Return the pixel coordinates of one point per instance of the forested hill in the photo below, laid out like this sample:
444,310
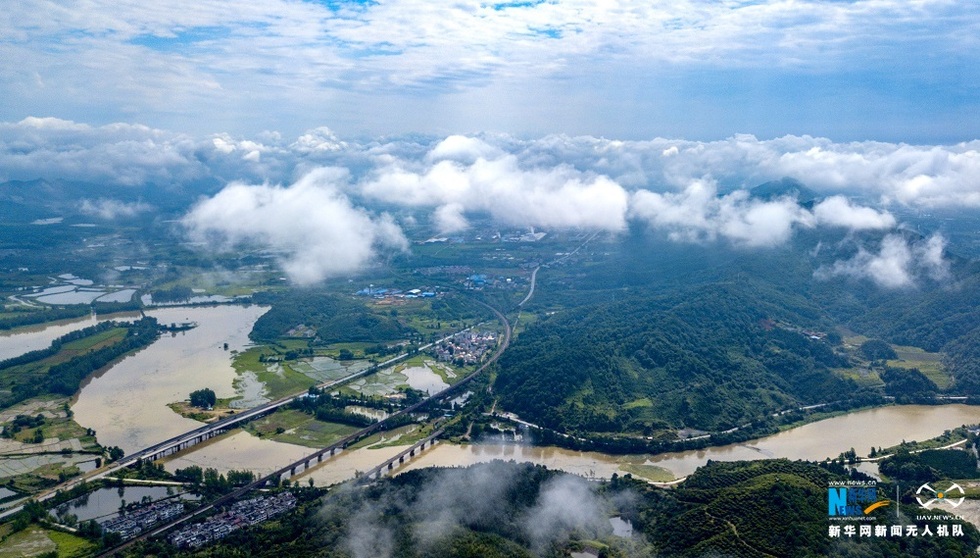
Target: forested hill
710,357
707,336
779,508
511,510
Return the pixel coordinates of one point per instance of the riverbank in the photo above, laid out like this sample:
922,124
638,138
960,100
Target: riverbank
825,439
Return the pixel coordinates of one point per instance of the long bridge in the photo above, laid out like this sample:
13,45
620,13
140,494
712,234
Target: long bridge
309,461
389,465
210,430
205,432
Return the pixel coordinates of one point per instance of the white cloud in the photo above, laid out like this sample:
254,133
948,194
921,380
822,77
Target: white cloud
109,209
930,257
698,214
311,224
124,154
838,211
182,58
463,149
450,219
897,264
565,504
927,176
557,197
892,173
556,182
461,169
318,140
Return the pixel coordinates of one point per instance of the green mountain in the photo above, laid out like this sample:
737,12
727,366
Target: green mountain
711,357
785,187
757,509
779,508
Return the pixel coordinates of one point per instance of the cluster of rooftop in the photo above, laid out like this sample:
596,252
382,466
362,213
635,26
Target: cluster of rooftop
241,514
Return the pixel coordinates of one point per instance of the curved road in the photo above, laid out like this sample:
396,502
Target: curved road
534,279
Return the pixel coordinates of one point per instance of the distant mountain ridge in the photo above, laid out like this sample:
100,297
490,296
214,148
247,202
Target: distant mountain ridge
786,187
24,201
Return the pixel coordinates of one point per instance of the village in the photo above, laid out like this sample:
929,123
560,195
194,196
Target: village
466,347
241,514
135,522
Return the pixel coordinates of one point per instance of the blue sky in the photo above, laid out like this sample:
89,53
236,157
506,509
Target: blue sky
889,70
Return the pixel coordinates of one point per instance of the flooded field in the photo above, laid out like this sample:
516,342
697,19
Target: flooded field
424,379
127,405
390,380
75,290
238,450
325,369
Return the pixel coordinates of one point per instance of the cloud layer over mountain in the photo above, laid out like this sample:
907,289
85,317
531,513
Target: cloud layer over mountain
322,224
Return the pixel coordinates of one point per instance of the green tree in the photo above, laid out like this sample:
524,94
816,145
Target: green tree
203,398
115,453
876,349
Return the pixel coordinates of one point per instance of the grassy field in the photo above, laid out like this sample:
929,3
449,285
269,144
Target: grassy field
186,410
944,439
34,541
861,376
648,472
401,436
284,381
929,364
97,341
58,426
68,351
279,380
70,545
296,427
333,350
